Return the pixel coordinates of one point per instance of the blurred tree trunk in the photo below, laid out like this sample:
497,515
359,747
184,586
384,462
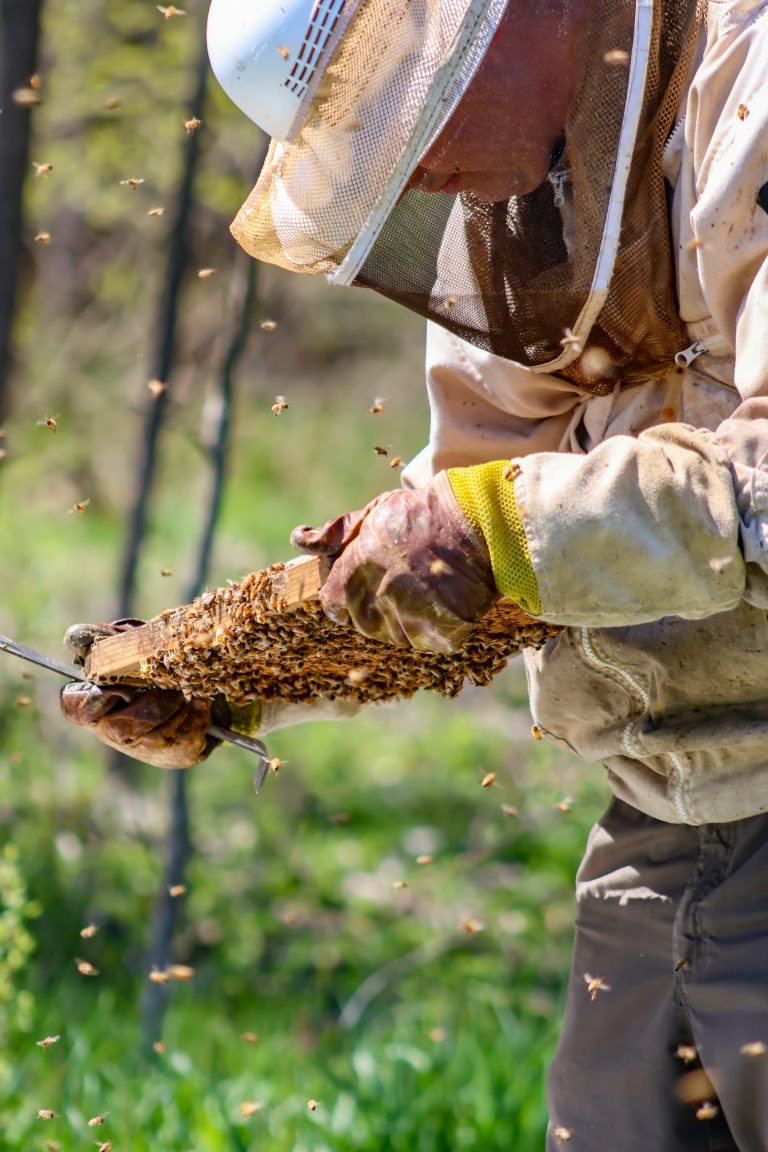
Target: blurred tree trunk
19,37
168,906
165,352
162,365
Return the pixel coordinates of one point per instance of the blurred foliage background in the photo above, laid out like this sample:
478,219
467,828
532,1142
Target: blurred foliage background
416,1003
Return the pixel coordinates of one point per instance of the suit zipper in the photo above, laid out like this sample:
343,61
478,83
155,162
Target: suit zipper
677,775
687,355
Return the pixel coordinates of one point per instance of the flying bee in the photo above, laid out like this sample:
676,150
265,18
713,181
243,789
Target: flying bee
133,182
380,451
159,976
156,212
398,885
564,805
250,1037
755,1048
686,1053
279,405
472,926
424,859
193,125
180,972
377,406
111,103
205,273
562,1134
396,462
170,11
48,422
249,1108
96,1121
156,387
85,968
284,52
313,1105
594,985
89,931
616,56
488,779
42,171
707,1111
268,325
79,506
26,97
46,1114
47,1041
42,238
177,890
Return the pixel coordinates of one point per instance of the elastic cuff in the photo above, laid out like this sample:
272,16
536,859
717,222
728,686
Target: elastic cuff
486,495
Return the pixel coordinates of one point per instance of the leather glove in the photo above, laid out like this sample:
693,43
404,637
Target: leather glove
409,568
156,725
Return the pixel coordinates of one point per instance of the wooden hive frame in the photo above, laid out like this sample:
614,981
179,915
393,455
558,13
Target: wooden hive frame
267,638
124,655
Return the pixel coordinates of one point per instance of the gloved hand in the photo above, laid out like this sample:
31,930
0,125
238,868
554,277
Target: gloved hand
409,568
157,725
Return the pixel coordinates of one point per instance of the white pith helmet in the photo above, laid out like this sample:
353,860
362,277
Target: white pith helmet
264,54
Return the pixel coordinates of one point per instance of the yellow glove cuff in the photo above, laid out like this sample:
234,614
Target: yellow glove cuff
487,498
245,719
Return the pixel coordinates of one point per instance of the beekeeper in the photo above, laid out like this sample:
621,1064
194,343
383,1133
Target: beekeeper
575,194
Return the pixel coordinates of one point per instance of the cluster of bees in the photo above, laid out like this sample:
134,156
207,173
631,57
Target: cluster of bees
238,642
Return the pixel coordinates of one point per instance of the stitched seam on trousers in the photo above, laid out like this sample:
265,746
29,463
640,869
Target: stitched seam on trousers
704,879
680,942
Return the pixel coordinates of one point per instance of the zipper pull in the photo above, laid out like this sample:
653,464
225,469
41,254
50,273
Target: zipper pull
691,353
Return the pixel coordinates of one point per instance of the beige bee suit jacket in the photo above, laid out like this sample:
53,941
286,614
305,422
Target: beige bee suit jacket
649,535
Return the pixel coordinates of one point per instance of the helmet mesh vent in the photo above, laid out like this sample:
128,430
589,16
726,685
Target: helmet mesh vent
321,25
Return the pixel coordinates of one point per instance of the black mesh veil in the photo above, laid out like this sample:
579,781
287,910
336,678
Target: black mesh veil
575,276
515,278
